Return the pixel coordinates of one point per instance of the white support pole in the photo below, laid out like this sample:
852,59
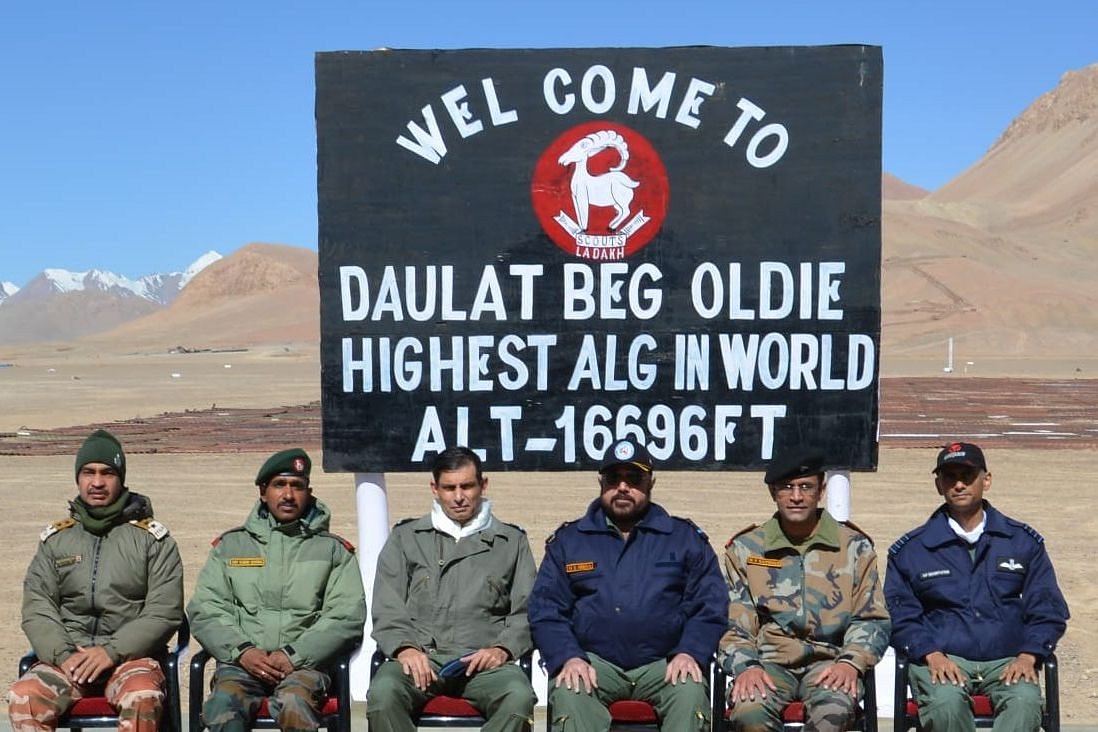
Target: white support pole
838,494
838,505
372,507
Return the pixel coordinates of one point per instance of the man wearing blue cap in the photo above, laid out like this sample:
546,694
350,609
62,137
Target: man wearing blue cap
629,603
974,603
806,615
278,599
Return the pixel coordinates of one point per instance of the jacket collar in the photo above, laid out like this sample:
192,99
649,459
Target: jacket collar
826,533
939,533
594,521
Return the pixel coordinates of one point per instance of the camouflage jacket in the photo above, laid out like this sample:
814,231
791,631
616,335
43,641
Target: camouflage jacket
797,604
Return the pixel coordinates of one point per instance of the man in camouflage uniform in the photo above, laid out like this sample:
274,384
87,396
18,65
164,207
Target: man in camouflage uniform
450,593
807,616
278,599
102,596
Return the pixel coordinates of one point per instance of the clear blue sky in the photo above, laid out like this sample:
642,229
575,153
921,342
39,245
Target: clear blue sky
134,136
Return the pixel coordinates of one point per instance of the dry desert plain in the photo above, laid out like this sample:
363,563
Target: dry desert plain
200,494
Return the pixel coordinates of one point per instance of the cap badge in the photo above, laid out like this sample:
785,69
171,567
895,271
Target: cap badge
624,451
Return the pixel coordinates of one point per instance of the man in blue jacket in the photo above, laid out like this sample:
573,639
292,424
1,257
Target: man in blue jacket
974,603
629,603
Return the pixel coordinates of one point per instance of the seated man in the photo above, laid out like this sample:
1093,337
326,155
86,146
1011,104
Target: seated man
450,593
629,603
806,616
278,599
974,603
102,596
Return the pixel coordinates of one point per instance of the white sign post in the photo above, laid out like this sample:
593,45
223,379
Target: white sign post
372,507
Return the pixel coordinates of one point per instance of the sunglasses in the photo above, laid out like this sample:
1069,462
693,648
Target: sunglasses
634,478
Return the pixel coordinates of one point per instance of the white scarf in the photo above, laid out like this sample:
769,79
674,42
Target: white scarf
970,536
448,526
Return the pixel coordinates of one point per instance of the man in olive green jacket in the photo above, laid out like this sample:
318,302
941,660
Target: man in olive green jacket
103,594
278,599
449,607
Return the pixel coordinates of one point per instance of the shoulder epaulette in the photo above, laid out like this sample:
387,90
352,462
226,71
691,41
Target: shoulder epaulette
1028,529
346,544
151,525
516,527
217,539
404,521
56,527
741,532
553,535
899,543
696,528
854,527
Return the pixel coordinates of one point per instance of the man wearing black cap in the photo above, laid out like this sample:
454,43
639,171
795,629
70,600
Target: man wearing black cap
628,603
974,602
806,616
103,594
278,599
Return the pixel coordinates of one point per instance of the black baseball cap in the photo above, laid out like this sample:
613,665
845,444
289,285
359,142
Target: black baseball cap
626,452
961,453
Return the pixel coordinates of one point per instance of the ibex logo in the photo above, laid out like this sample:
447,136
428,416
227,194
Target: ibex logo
600,191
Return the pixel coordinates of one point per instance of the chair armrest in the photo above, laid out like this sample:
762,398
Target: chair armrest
869,699
1052,693
29,659
197,691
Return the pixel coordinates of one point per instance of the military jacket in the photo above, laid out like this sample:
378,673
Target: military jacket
998,602
293,587
449,598
794,605
122,590
630,602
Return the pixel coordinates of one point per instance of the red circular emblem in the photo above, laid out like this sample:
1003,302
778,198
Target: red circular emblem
600,191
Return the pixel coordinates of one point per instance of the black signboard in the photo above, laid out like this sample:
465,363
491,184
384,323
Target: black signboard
534,252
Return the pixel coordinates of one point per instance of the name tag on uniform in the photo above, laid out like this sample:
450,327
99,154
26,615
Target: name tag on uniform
765,562
573,567
935,573
68,561
247,562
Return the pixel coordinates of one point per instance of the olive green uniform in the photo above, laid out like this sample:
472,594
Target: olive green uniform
119,588
450,598
293,587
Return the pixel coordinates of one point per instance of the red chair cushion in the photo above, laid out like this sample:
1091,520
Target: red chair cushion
636,712
92,706
793,712
450,706
981,707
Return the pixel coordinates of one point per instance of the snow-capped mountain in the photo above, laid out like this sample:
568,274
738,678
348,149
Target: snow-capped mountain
60,305
7,289
160,287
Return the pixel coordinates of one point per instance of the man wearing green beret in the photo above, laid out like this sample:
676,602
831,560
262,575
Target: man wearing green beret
278,599
102,596
807,614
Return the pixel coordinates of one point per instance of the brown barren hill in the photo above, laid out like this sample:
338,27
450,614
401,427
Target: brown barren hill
1003,258
893,188
261,294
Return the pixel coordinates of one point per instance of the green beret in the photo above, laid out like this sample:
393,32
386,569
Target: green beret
102,447
294,461
794,463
